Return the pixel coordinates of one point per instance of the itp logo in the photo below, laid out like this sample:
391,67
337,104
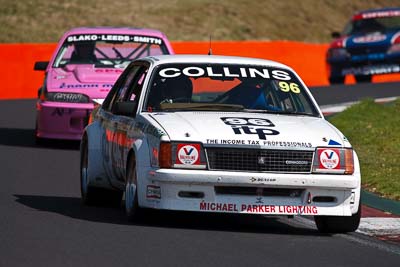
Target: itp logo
188,154
258,126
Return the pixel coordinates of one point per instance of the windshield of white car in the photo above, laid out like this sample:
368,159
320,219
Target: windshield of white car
210,87
380,24
110,51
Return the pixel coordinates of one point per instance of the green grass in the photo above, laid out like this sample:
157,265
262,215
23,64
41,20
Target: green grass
306,20
374,131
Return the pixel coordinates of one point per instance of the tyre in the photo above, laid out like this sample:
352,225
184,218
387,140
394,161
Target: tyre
91,195
338,224
39,141
363,78
335,75
336,79
132,209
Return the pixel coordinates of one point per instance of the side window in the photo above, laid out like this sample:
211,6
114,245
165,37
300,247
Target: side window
134,93
123,86
114,90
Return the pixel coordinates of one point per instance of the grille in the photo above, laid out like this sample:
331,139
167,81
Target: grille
258,191
367,50
260,160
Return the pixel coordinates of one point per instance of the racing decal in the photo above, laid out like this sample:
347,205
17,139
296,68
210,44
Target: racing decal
114,38
153,192
258,208
370,70
92,85
329,159
287,87
188,154
108,71
368,57
377,14
119,138
253,72
369,38
260,127
262,180
333,143
270,143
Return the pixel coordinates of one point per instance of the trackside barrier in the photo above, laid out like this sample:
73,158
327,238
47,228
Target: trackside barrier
19,80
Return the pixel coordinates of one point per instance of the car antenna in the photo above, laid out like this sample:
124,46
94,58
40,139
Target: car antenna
210,50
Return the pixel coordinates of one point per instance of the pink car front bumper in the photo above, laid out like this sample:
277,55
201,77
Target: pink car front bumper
57,120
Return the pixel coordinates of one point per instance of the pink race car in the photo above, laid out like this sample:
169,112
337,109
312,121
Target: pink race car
81,72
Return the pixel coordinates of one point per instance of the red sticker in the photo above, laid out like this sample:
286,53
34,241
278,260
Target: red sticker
188,154
329,159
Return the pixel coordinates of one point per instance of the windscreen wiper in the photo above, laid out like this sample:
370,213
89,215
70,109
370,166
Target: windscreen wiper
200,106
281,112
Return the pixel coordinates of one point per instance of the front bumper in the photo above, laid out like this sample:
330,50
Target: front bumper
372,69
57,120
365,64
254,193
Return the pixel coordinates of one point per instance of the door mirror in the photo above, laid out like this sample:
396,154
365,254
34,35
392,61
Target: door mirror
125,108
41,65
335,34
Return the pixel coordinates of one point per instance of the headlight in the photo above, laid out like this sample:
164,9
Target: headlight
395,48
338,53
182,155
333,160
67,97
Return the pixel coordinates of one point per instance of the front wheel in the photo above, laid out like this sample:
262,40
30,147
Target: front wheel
338,224
335,75
132,208
39,141
91,195
336,79
363,78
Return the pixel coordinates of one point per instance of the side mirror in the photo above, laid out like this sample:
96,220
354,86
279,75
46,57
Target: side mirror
335,35
41,65
125,108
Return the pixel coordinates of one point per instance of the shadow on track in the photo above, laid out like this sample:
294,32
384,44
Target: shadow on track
72,207
26,138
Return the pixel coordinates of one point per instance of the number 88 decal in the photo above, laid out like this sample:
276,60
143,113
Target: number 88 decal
286,87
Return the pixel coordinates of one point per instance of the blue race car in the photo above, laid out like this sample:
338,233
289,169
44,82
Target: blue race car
368,45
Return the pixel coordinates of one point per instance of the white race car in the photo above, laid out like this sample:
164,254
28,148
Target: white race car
219,134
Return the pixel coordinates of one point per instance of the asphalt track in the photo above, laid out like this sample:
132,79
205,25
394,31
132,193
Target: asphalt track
43,223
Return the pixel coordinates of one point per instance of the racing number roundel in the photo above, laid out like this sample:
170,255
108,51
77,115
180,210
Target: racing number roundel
329,159
188,154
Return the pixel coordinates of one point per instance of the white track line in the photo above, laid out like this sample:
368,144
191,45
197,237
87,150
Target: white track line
361,237
379,226
328,109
